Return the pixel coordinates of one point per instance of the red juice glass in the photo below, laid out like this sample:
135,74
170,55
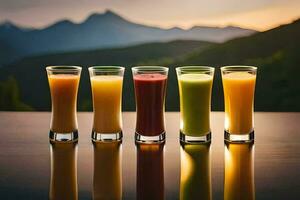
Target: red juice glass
150,84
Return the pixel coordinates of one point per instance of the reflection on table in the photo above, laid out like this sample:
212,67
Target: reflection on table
195,171
107,179
150,171
239,171
63,181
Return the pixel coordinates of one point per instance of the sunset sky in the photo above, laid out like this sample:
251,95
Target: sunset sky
256,14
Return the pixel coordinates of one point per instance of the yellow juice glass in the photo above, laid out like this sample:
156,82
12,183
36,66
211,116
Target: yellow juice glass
107,83
239,87
239,171
63,82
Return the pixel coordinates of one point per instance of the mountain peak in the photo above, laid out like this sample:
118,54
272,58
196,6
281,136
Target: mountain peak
108,14
8,25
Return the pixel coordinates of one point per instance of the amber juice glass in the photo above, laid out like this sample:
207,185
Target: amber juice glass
63,82
239,88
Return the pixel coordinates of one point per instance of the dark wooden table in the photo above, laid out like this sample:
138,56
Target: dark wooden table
25,157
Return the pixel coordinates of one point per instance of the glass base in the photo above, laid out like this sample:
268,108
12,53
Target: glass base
150,139
195,139
239,138
63,137
107,136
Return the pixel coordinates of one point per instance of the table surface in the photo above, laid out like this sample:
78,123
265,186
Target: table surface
25,156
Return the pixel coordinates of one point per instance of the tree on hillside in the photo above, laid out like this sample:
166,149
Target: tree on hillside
10,98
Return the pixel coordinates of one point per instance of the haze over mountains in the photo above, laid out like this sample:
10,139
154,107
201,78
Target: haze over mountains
98,31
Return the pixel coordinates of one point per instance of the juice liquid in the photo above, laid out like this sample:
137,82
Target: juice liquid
150,171
239,97
195,103
63,181
64,88
239,172
150,92
107,103
195,172
107,182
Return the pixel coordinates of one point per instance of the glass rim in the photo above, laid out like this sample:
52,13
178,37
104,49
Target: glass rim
150,69
230,68
195,68
63,68
104,68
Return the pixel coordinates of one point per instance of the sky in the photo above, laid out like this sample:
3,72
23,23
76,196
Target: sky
255,14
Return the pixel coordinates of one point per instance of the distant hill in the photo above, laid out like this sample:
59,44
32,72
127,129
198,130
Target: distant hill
98,31
31,75
276,53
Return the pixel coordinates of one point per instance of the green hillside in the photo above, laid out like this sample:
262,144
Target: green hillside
32,80
276,53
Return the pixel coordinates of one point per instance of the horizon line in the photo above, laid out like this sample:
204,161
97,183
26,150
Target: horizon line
4,21
22,26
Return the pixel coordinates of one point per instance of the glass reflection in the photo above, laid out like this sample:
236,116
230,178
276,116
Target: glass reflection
107,180
239,171
63,181
150,171
195,171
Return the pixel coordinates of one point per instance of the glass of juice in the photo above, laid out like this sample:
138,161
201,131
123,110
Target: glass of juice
195,88
107,83
150,84
63,82
239,87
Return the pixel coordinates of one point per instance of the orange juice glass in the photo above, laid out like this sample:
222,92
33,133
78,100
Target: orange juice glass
107,83
239,87
63,82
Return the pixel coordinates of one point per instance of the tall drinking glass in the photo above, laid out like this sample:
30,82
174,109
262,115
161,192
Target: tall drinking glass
107,83
63,82
239,87
150,84
195,87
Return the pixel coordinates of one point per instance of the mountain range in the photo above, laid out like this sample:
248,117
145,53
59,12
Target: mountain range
98,31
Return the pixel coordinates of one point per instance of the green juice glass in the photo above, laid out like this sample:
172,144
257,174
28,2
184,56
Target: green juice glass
195,87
